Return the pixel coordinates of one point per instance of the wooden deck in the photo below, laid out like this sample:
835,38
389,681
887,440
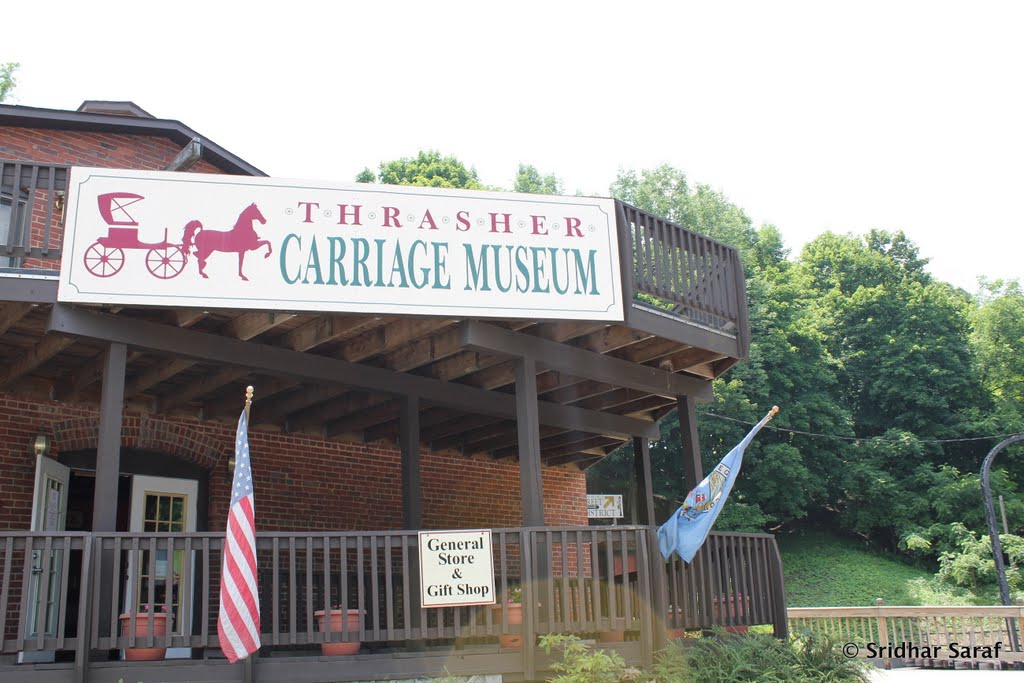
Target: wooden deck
592,581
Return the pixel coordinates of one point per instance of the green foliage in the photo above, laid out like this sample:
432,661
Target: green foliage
426,169
7,79
581,664
998,338
729,658
971,565
826,570
530,180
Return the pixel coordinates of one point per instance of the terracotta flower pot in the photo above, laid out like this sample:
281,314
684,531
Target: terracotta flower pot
515,618
674,617
736,610
354,618
144,654
611,636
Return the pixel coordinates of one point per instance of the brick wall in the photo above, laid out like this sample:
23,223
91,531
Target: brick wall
82,148
302,483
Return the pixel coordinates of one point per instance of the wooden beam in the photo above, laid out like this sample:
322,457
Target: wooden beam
581,446
424,351
31,290
345,404
161,371
318,369
465,438
303,338
48,347
610,339
434,434
358,421
295,401
324,329
251,325
581,363
548,441
389,337
186,317
11,314
187,157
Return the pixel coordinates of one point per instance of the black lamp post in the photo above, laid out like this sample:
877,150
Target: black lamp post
993,532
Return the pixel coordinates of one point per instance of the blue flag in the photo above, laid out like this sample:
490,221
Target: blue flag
686,529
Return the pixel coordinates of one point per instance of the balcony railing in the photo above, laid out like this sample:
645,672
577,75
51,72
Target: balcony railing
84,594
31,213
684,274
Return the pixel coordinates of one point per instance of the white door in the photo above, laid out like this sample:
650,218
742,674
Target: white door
162,504
49,509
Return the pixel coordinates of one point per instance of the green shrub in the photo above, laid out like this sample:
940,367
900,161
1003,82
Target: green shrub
580,664
729,658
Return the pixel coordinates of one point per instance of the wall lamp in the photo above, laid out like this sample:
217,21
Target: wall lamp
41,445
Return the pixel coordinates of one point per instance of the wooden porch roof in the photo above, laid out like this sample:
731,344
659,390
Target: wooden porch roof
342,376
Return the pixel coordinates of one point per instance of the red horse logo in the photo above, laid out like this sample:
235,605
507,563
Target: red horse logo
239,239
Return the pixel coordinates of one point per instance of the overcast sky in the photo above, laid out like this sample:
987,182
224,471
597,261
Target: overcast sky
811,116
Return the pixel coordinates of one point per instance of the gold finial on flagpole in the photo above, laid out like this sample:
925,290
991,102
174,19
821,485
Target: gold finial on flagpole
248,401
772,413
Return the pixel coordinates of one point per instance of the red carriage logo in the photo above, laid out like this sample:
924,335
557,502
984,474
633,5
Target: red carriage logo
105,257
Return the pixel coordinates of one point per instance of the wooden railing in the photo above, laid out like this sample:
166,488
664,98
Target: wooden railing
573,579
735,581
31,213
974,634
693,276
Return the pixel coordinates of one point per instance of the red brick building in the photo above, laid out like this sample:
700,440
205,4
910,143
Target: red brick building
118,421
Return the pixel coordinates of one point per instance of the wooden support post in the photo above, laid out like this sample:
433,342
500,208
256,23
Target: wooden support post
528,426
108,449
688,437
883,632
412,503
409,440
644,487
108,468
644,484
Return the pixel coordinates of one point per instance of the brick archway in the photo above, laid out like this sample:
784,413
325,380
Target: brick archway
182,441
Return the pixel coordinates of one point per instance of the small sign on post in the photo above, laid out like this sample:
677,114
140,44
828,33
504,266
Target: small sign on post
456,568
604,506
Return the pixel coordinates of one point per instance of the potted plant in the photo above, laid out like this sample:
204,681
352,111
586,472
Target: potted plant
354,620
513,606
142,622
674,623
736,610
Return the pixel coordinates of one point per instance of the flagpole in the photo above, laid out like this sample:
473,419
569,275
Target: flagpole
249,401
247,663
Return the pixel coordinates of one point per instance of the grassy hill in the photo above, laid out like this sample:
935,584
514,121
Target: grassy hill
824,570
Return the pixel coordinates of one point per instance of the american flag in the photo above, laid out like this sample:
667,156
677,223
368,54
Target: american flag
238,624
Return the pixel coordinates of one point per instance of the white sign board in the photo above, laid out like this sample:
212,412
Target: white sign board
456,568
200,240
602,506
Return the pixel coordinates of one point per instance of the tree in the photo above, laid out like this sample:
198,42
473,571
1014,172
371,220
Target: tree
665,192
998,340
529,179
426,169
7,79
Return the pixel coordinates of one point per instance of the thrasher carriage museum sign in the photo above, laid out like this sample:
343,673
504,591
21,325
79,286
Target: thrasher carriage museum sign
173,239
